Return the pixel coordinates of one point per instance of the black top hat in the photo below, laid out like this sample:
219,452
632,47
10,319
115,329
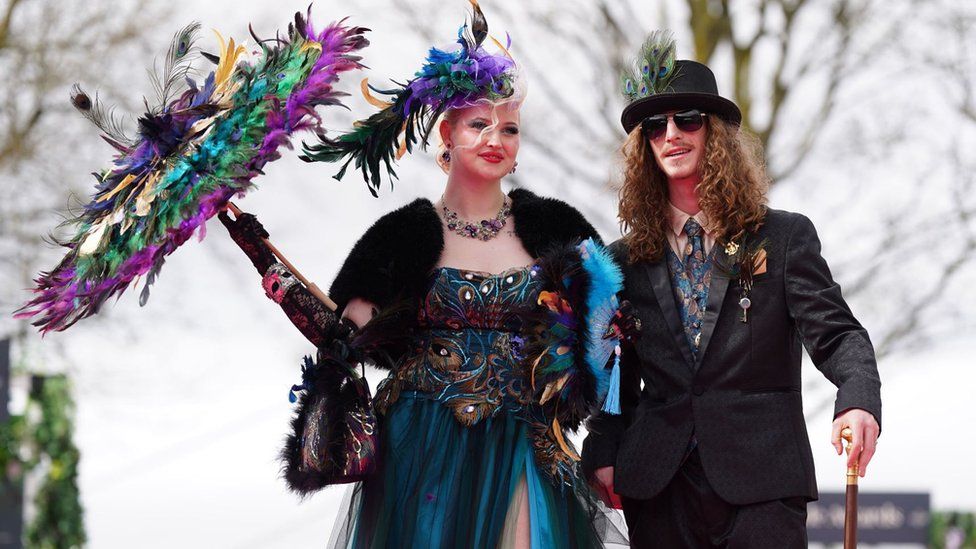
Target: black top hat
692,87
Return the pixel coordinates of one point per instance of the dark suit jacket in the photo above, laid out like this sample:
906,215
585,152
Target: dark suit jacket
741,397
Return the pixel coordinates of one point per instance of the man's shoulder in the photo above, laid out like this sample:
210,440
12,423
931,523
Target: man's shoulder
781,217
618,248
782,222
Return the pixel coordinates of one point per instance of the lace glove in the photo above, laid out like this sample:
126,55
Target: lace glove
319,324
248,233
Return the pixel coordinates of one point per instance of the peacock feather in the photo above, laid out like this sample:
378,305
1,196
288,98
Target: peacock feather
653,69
566,353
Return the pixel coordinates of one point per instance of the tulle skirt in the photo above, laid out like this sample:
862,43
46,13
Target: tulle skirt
443,485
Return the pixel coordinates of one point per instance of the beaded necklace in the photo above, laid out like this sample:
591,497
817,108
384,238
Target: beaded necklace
484,230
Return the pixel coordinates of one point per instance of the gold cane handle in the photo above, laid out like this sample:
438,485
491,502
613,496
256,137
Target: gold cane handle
852,471
850,507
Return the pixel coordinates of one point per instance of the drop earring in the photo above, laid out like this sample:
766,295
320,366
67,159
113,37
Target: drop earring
514,167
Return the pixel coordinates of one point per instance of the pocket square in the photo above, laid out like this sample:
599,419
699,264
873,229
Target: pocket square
760,263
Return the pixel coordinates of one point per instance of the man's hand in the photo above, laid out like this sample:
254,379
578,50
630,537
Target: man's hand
865,431
603,483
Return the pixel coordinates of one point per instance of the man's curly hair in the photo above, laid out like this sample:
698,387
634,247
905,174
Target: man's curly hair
732,191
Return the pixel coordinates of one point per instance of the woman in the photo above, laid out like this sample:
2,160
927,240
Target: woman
467,455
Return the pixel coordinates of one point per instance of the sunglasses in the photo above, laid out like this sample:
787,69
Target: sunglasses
655,126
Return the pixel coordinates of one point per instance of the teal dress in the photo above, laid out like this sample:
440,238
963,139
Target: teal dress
459,432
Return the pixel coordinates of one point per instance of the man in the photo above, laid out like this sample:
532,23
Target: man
713,450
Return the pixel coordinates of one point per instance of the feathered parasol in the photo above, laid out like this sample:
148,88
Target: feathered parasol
451,78
202,144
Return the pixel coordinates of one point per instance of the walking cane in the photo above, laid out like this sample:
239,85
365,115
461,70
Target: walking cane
850,514
311,287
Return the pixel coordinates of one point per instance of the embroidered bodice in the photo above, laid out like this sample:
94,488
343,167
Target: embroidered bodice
467,354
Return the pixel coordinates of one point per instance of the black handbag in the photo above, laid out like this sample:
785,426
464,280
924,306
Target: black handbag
334,434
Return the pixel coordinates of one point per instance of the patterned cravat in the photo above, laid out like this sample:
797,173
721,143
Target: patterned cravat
690,277
695,297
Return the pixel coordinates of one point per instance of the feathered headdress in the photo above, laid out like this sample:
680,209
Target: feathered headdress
199,146
450,79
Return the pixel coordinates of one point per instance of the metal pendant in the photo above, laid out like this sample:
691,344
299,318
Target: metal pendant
745,303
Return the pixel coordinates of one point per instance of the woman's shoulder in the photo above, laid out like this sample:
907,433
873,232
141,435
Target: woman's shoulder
392,255
524,199
412,222
420,212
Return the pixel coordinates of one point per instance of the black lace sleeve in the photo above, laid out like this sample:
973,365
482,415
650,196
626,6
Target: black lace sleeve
314,319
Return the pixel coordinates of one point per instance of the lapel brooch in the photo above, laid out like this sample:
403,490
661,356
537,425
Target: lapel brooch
743,261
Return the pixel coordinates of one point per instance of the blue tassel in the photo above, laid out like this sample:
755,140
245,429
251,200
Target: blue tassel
612,403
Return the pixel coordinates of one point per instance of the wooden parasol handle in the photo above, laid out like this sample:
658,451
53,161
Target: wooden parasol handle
850,509
281,257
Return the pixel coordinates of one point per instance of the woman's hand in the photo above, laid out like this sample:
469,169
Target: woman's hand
359,311
248,233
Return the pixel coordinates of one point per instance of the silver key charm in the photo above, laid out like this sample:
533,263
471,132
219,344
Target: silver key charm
745,303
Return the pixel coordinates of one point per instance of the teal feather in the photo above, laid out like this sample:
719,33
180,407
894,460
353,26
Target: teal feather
369,145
